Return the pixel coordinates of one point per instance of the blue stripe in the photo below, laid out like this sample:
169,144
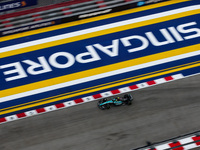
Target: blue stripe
184,72
105,80
78,47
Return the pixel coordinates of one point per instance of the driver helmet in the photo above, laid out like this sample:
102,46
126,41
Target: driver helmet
117,99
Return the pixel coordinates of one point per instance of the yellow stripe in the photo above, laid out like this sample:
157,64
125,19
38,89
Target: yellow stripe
99,70
56,27
135,79
95,34
98,86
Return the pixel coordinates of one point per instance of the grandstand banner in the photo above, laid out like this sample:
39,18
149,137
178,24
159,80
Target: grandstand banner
78,17
29,27
112,10
16,4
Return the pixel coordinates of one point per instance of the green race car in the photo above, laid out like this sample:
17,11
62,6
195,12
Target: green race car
118,101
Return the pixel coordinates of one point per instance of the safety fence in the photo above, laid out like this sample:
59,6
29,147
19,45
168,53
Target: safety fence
63,13
185,142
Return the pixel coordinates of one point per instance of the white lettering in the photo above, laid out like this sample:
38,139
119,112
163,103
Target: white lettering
95,13
91,52
70,60
133,43
126,42
167,35
18,4
18,69
33,66
175,34
181,29
154,40
10,6
114,48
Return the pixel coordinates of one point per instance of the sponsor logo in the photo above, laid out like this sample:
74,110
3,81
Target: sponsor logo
16,4
28,28
23,3
42,64
140,3
10,6
95,13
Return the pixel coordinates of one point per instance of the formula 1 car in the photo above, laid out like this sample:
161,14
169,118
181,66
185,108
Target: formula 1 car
118,101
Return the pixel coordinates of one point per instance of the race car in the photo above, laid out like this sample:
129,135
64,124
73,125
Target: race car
118,101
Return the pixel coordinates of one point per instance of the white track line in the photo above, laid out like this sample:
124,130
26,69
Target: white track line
90,98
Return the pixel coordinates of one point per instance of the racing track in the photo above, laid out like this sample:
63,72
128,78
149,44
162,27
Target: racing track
158,113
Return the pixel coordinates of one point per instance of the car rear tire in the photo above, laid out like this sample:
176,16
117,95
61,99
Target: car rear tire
107,106
101,107
129,102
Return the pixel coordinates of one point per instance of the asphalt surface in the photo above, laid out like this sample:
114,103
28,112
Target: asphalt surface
158,113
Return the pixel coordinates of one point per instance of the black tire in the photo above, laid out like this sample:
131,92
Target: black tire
104,100
107,106
103,107
126,96
129,102
128,99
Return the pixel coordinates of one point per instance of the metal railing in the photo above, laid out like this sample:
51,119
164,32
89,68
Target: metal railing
153,146
57,13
